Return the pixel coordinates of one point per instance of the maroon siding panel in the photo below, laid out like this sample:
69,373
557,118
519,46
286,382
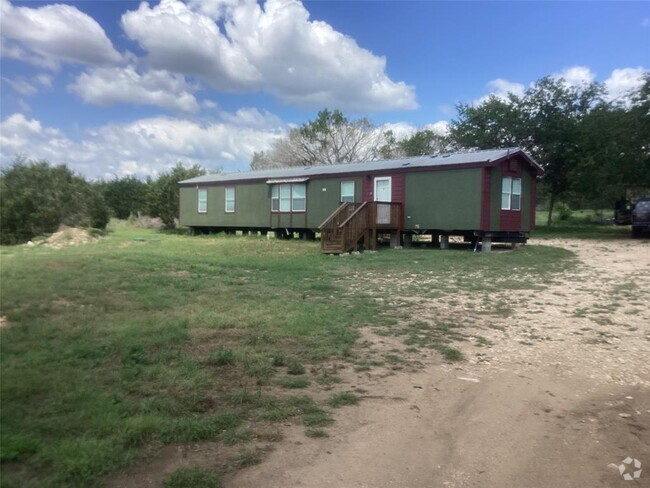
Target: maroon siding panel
486,186
533,201
511,219
397,187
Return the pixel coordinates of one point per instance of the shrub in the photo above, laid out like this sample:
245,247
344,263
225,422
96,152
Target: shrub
224,356
295,368
36,198
564,212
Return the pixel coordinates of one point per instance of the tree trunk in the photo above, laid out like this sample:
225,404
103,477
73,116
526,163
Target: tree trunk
551,204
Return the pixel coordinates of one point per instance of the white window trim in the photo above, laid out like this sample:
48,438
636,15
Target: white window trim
304,198
353,189
390,188
291,198
225,198
510,193
200,190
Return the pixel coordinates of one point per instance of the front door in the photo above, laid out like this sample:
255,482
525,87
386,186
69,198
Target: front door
383,194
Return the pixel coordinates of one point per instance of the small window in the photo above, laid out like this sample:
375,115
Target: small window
347,191
511,193
203,200
516,194
275,198
285,198
298,198
230,200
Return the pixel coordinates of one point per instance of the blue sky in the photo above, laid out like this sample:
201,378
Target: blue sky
120,87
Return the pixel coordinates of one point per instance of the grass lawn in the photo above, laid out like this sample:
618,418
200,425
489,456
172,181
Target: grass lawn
582,224
147,338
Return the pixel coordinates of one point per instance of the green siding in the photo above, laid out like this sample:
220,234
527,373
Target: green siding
253,204
446,200
324,196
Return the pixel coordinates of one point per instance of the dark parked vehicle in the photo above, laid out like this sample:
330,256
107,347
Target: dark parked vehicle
641,217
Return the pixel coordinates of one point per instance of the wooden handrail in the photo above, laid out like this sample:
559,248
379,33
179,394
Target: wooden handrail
360,221
363,205
334,214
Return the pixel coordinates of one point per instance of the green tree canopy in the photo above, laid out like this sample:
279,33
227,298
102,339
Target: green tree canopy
163,193
124,196
36,198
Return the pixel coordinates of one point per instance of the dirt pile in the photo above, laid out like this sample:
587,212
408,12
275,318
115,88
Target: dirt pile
69,236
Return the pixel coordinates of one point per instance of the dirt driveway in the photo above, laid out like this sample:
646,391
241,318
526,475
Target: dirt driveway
555,392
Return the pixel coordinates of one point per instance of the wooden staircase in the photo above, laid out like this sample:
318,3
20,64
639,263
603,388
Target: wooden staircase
353,222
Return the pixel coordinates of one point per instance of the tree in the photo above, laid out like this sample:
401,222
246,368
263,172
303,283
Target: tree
545,121
494,123
124,196
36,198
163,193
330,139
423,142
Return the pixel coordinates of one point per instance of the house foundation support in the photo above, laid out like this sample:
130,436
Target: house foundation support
486,244
408,240
395,238
444,242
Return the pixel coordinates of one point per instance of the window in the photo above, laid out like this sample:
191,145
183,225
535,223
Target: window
230,200
275,198
511,193
289,197
298,198
347,191
203,200
285,198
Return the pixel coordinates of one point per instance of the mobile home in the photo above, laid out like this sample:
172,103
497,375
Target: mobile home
486,196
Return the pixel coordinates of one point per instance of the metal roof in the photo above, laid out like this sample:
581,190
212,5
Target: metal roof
473,157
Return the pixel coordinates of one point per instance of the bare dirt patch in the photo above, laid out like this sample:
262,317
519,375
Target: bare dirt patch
555,390
4,323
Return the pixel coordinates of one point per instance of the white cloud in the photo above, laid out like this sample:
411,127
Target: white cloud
27,87
622,81
252,117
49,35
108,86
209,104
273,48
441,128
576,76
21,85
501,88
143,147
402,130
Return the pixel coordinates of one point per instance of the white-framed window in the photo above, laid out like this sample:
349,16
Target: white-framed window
298,197
203,200
230,199
275,198
285,198
289,197
347,191
511,193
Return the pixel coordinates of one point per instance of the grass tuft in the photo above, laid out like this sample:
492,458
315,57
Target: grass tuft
224,356
343,398
294,383
295,368
193,478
